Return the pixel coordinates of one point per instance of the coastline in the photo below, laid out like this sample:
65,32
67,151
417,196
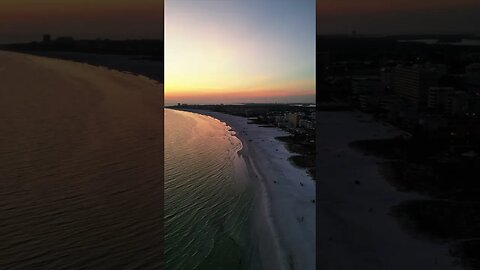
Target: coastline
125,64
131,64
355,203
284,214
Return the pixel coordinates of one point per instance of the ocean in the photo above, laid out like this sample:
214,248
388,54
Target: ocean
81,167
207,197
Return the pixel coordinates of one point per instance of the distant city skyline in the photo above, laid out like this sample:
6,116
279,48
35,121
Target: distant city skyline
239,51
29,20
398,17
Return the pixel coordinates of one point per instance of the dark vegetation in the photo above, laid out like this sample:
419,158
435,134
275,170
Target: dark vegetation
304,149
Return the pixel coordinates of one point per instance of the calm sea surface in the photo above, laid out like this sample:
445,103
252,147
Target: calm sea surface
207,202
79,194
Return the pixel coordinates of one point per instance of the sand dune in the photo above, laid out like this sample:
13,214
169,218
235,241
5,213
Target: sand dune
80,164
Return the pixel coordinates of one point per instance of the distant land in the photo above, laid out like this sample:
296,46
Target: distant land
143,57
355,41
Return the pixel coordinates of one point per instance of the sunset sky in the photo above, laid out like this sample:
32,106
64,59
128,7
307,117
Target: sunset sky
239,51
27,20
398,16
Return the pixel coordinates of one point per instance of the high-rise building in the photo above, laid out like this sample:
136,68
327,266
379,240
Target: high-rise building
472,77
438,97
457,103
411,83
293,119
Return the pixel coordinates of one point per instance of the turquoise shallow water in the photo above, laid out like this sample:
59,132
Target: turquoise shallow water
207,199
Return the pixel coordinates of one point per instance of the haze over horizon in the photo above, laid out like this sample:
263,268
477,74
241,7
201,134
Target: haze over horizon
239,51
28,20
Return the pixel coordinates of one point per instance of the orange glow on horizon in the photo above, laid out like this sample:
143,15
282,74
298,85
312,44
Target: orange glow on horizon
238,94
227,51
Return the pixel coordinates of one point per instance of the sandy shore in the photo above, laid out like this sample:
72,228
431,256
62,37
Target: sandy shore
355,229
81,163
284,209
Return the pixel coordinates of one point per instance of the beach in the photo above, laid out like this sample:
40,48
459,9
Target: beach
284,208
81,166
355,227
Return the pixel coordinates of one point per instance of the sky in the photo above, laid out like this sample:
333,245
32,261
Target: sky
234,51
398,16
28,20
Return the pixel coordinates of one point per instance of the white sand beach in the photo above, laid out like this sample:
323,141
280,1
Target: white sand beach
355,229
285,211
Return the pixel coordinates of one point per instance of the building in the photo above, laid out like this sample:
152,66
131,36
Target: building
387,78
367,91
366,84
438,97
411,83
279,118
306,124
293,120
472,77
457,103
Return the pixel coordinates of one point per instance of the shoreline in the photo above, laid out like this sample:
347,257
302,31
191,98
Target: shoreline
355,203
129,68
293,244
130,64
